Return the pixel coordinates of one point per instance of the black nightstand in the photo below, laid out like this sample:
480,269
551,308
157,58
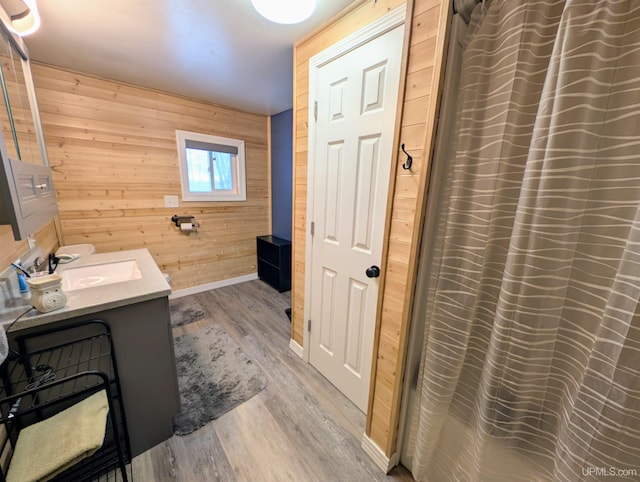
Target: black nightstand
274,261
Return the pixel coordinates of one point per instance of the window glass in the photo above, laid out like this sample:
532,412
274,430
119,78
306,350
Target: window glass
212,168
199,170
222,170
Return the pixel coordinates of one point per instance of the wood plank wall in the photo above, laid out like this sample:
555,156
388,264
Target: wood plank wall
428,33
112,147
46,238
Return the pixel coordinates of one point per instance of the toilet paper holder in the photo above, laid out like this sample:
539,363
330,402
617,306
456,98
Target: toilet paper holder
186,223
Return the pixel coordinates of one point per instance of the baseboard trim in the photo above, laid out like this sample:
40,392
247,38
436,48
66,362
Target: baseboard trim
378,456
212,286
296,348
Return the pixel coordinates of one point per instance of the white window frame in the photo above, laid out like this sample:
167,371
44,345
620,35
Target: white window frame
239,192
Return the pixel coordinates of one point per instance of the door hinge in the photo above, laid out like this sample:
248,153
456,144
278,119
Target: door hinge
309,325
313,228
315,110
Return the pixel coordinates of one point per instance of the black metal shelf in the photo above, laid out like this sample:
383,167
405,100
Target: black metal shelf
64,365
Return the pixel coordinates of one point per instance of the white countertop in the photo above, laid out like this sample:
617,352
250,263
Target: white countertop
92,300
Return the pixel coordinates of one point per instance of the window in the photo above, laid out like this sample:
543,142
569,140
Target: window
211,167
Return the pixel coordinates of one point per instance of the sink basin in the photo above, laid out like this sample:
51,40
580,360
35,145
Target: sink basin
90,276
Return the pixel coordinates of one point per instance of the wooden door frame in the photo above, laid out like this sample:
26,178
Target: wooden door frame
377,28
447,102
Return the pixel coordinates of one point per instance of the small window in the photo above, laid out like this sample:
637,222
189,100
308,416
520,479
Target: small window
211,167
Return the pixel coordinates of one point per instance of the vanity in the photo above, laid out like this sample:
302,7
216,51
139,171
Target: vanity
132,298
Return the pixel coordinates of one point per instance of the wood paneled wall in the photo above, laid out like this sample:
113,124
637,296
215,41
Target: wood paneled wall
46,238
425,54
112,147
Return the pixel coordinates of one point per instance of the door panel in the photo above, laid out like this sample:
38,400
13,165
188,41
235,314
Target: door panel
337,100
373,88
332,203
366,179
355,326
327,313
357,102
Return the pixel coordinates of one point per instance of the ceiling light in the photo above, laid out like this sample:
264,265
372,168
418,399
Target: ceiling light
285,11
27,21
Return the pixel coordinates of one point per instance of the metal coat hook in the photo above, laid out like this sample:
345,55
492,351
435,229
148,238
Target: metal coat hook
407,165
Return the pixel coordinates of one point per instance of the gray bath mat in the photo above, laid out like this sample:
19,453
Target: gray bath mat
185,311
214,376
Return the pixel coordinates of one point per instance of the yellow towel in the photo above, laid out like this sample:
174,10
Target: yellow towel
47,448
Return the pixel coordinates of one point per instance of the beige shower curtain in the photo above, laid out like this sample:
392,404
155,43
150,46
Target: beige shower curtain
530,367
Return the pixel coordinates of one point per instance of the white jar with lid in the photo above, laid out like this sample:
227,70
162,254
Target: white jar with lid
46,293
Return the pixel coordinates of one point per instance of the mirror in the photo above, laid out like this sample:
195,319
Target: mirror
18,126
27,197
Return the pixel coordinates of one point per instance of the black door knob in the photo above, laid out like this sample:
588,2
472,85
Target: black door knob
372,272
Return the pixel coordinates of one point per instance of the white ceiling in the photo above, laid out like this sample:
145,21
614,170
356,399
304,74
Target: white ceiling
220,51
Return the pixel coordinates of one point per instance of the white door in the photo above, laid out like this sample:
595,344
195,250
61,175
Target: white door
357,97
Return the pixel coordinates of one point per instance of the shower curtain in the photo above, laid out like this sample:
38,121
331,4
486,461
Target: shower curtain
531,358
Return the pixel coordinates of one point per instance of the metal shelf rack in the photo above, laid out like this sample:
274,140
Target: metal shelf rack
54,369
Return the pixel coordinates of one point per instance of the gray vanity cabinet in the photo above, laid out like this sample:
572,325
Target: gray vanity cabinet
27,198
143,345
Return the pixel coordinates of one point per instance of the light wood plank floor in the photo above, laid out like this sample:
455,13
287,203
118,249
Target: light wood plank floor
298,428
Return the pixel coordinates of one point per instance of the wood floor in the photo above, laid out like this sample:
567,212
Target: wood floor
298,428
